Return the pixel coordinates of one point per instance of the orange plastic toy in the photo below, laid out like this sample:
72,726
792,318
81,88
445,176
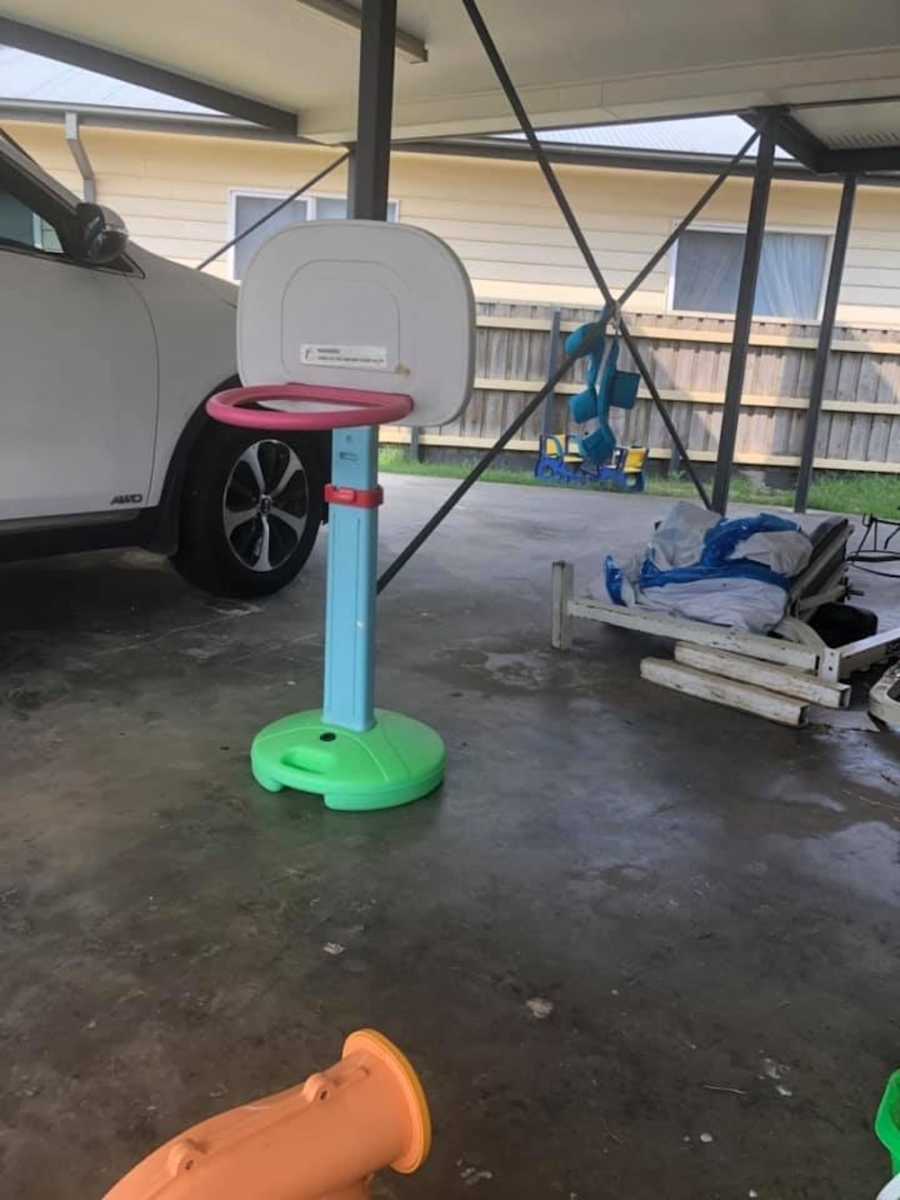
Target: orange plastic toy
323,1140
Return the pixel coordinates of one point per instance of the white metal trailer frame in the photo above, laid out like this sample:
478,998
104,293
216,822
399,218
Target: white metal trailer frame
797,644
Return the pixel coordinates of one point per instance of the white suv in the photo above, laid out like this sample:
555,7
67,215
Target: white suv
107,355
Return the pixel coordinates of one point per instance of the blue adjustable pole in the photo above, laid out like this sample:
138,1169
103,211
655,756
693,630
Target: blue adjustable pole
353,532
352,571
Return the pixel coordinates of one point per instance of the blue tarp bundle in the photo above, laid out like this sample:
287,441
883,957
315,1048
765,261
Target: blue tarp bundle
716,561
730,572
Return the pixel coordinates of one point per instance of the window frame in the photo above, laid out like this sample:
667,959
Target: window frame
316,196
309,199
736,227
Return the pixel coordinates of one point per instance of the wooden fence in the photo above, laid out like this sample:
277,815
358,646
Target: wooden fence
859,428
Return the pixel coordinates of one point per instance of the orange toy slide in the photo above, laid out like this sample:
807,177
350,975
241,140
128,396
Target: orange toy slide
323,1140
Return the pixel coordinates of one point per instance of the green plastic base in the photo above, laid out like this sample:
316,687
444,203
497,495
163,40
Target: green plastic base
887,1121
395,762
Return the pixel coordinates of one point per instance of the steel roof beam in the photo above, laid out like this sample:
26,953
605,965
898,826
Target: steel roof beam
790,135
132,70
411,49
868,158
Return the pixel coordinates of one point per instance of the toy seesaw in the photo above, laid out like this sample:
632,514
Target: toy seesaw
560,460
346,325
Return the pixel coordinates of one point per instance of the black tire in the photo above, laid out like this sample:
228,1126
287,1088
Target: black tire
225,552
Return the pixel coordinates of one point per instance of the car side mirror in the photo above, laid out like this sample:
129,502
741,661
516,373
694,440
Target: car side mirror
100,235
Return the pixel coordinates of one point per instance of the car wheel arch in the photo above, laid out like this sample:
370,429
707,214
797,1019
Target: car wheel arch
164,536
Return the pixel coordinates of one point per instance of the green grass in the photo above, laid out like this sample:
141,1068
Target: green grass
742,491
393,460
879,494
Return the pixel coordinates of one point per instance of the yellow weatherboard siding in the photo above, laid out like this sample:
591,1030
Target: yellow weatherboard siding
174,192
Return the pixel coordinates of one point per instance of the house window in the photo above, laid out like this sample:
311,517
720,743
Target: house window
250,207
791,270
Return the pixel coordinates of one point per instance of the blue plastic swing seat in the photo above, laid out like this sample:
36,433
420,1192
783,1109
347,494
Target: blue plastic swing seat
613,389
599,445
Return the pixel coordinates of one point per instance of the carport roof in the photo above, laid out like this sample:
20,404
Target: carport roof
44,86
291,64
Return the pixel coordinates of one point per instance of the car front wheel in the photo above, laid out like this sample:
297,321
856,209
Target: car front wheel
251,509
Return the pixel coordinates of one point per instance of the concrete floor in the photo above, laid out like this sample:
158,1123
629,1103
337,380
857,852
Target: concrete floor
709,902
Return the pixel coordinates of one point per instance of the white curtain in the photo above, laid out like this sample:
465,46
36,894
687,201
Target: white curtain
249,209
330,208
791,268
707,271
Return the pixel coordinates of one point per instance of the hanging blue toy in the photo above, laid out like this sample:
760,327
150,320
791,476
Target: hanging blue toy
605,387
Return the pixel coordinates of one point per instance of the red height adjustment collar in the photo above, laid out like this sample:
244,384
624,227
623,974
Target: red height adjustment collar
354,497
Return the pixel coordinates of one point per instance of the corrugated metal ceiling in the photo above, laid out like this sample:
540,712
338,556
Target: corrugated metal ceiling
854,126
720,136
26,76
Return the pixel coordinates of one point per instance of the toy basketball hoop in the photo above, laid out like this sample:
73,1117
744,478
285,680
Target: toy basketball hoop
347,325
297,406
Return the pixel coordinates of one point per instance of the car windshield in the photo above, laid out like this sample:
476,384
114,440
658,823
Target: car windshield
22,160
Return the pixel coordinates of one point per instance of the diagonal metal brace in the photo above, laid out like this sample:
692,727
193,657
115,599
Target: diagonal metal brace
580,240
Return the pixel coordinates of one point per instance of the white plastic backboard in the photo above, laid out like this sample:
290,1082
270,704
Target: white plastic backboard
360,304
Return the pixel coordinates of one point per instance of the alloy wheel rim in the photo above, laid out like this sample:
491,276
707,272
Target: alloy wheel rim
265,505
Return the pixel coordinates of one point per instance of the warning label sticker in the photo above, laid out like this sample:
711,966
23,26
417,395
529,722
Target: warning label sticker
331,355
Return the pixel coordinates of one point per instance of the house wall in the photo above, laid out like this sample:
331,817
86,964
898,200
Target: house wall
174,192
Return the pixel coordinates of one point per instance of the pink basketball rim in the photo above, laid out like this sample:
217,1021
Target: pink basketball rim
335,407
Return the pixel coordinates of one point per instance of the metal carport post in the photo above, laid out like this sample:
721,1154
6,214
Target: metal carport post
743,317
823,349
372,152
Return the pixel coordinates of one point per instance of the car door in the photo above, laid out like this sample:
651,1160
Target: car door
78,365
